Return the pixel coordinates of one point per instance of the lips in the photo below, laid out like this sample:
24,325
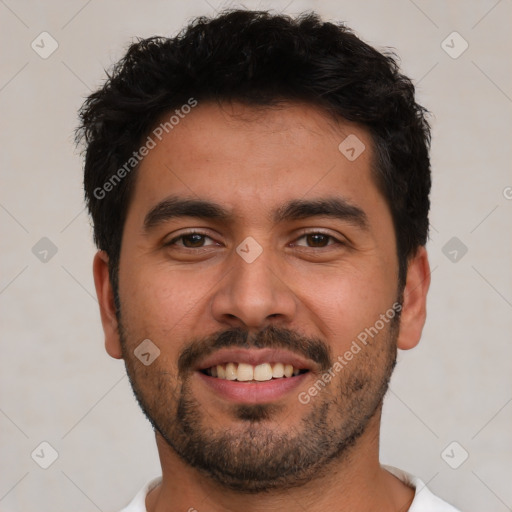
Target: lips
253,375
254,358
252,392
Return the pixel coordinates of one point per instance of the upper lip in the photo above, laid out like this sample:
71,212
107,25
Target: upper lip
254,357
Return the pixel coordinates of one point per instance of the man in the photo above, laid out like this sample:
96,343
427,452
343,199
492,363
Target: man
259,187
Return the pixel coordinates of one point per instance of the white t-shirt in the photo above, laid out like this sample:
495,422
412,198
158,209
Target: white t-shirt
424,500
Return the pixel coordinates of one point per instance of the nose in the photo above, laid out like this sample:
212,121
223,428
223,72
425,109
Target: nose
254,295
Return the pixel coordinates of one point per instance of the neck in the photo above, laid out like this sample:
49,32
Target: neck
355,482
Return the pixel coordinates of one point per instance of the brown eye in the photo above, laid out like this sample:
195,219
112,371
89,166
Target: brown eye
317,240
191,241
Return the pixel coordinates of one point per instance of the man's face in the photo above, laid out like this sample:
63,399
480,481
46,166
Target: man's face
301,262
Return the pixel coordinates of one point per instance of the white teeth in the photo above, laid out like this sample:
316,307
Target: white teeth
288,370
244,372
278,371
231,371
261,372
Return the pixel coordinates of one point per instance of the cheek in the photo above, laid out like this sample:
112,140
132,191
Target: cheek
346,303
165,304
153,300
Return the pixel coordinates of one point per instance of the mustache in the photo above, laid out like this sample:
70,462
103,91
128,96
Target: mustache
270,337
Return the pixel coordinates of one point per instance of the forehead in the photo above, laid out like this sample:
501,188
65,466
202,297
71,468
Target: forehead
254,159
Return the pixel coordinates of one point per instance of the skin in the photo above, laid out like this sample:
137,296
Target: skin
252,162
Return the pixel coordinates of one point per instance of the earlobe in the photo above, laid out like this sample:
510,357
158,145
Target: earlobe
414,308
105,296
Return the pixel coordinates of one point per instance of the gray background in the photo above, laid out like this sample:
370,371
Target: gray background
57,383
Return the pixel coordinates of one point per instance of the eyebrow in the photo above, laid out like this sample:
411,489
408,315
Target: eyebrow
297,209
335,207
175,207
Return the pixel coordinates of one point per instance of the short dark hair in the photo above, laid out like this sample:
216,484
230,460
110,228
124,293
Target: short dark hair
259,59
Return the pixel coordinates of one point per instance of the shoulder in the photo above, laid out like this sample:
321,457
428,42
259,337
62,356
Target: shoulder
138,504
424,499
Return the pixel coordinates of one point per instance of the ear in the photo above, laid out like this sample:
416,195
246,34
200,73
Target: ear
105,295
414,308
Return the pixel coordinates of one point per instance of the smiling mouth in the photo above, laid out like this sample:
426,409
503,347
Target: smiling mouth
243,372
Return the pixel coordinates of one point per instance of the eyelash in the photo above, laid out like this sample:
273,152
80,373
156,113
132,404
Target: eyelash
304,234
